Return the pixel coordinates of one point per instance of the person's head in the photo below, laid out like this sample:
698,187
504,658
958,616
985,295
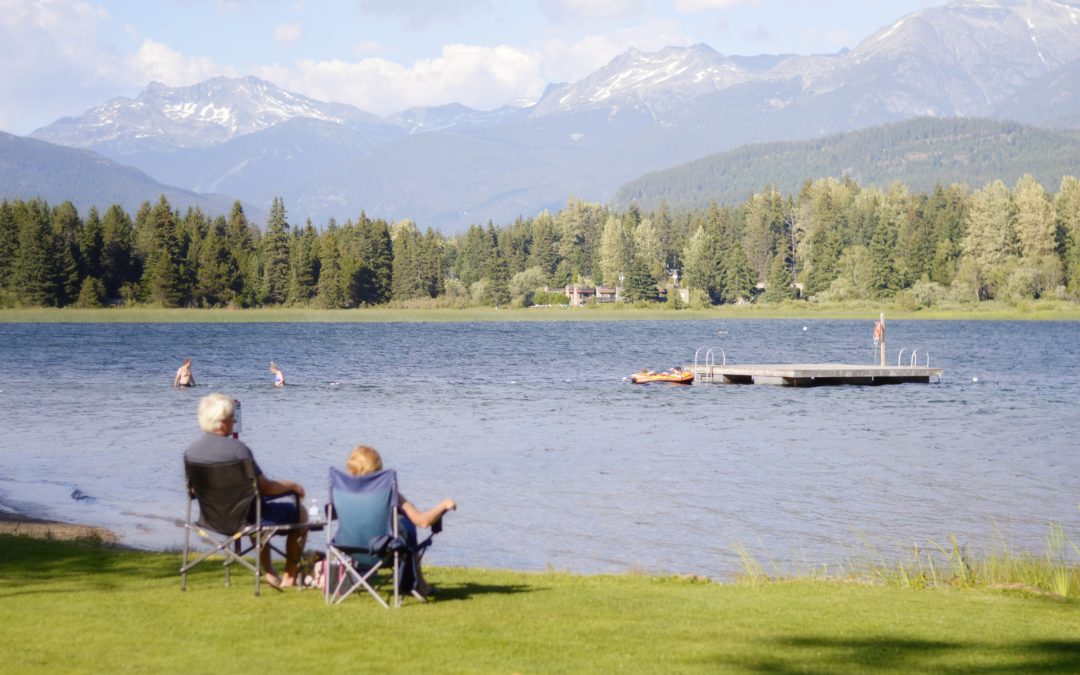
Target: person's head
363,460
217,414
187,362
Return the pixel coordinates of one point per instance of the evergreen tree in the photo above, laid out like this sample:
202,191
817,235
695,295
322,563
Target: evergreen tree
639,284
1067,208
275,250
9,244
33,282
737,278
376,250
545,253
64,252
778,287
165,278
497,291
304,266
118,263
91,293
91,244
218,273
331,292
883,280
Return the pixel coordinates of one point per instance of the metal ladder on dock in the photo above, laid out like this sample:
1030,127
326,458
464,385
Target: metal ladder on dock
706,371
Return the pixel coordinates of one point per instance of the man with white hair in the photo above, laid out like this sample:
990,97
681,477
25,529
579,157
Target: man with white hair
217,417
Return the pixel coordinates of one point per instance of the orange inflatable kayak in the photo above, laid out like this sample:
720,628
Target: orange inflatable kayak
683,377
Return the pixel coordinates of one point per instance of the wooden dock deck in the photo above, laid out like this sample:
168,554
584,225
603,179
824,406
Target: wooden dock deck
812,375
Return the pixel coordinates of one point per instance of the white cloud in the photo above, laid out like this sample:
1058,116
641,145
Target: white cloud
52,61
287,33
565,61
158,62
479,77
566,11
704,5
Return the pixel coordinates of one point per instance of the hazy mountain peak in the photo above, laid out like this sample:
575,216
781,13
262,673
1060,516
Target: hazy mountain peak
650,80
202,114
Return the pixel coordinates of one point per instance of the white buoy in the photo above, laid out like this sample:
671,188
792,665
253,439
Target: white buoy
974,379
804,327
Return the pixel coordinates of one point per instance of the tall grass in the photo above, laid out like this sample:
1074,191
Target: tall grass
953,566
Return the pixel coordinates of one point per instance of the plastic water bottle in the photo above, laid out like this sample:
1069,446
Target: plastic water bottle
313,511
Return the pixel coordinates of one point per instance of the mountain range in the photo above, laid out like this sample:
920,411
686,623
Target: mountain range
451,166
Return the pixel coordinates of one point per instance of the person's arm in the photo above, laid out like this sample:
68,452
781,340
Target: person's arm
429,517
269,488
176,379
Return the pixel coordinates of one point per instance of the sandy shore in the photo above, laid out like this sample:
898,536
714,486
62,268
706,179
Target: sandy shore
13,523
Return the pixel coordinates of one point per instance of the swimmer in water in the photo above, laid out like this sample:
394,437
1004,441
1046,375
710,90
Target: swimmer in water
279,377
184,378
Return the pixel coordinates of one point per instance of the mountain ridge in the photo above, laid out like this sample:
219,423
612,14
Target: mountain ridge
641,112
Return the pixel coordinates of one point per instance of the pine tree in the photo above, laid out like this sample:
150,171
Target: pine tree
9,244
91,244
883,280
330,294
778,287
118,263
64,253
32,279
304,266
275,250
165,278
639,284
497,291
218,269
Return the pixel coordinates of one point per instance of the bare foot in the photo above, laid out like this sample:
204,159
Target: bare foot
287,580
271,579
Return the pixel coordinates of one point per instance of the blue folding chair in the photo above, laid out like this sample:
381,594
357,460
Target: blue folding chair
362,535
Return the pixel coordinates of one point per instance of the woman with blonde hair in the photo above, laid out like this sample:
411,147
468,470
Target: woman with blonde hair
364,460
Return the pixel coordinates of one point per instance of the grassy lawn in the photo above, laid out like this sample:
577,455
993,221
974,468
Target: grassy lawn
1042,310
75,607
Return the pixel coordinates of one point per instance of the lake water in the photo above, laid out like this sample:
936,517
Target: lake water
554,458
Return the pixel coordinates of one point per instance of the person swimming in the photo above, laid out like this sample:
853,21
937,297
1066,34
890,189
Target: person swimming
184,378
279,377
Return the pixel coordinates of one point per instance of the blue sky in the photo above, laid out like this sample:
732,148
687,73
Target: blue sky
61,57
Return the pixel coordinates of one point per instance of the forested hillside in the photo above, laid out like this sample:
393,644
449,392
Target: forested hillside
919,153
830,240
31,168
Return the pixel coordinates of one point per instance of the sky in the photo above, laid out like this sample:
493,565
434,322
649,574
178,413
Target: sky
63,57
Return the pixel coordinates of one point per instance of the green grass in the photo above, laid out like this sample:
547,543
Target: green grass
1042,310
72,607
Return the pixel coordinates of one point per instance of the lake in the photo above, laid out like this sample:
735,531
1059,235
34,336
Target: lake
554,458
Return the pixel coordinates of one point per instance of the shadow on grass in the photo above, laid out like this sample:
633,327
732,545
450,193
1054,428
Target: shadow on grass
822,655
445,592
26,561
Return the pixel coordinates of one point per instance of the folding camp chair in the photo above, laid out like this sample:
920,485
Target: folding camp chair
367,536
230,506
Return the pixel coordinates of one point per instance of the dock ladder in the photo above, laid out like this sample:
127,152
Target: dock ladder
706,370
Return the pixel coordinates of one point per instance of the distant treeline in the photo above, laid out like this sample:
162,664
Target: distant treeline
833,240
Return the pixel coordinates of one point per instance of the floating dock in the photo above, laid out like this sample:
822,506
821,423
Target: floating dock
812,375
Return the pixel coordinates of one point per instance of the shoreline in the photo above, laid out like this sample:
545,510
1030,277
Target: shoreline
17,524
989,311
